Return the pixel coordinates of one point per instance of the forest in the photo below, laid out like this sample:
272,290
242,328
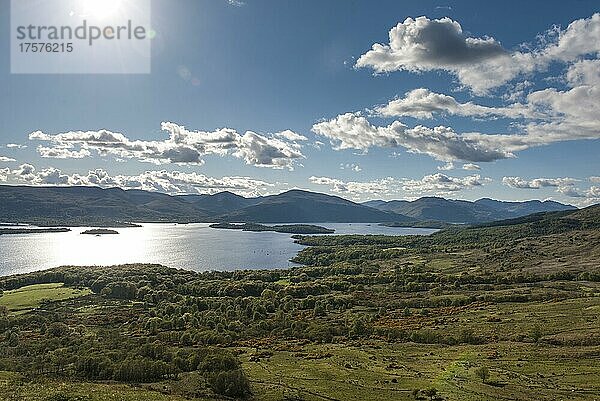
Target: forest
470,313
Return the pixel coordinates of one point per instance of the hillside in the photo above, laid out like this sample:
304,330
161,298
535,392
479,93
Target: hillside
460,211
112,206
221,203
471,313
304,207
85,205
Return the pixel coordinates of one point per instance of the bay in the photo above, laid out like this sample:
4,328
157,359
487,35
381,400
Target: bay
186,246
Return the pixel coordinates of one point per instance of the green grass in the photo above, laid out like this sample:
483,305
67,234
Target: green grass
32,296
13,389
382,371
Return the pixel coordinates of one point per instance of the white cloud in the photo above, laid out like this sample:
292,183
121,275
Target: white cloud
15,146
291,136
422,44
355,189
447,167
6,159
236,3
470,166
480,63
62,153
173,182
565,186
595,179
559,116
351,166
442,184
183,146
24,170
437,184
354,131
423,104
4,173
584,72
537,183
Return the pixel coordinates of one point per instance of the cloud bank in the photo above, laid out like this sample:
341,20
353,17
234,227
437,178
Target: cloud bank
171,182
183,146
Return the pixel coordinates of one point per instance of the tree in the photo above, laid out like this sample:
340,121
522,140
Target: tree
483,373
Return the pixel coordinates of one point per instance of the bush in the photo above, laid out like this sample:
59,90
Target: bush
231,383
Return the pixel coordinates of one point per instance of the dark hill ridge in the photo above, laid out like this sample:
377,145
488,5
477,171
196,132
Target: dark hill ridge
460,211
105,207
304,207
91,205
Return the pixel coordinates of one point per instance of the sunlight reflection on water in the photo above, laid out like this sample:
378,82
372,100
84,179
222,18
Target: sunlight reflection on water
187,246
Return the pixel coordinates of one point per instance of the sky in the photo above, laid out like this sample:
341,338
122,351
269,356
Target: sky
361,99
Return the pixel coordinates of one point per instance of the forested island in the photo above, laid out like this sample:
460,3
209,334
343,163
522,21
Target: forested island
100,231
286,228
463,314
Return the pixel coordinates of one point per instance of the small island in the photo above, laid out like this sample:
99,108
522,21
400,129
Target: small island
287,228
100,231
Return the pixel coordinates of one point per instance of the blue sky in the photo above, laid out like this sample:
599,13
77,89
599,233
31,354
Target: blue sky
272,66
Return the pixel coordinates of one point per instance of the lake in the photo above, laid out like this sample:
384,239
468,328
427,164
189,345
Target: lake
186,246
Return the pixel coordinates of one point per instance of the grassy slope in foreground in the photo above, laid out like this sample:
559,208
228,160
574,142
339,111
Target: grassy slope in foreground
488,313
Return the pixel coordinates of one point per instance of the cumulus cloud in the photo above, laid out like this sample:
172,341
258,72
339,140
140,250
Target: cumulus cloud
6,159
447,167
573,114
354,131
559,116
291,136
437,184
183,146
173,182
4,172
382,187
480,63
584,72
565,186
15,146
537,183
423,104
442,184
422,44
470,166
62,153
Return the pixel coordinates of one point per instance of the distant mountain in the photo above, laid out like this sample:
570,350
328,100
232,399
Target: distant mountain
91,205
221,203
298,206
460,211
97,206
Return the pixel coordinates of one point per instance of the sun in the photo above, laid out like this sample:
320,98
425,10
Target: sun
101,9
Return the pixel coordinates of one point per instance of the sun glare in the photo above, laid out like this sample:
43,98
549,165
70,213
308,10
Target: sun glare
101,9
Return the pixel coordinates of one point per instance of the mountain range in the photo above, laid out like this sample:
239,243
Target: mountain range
97,206
465,212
